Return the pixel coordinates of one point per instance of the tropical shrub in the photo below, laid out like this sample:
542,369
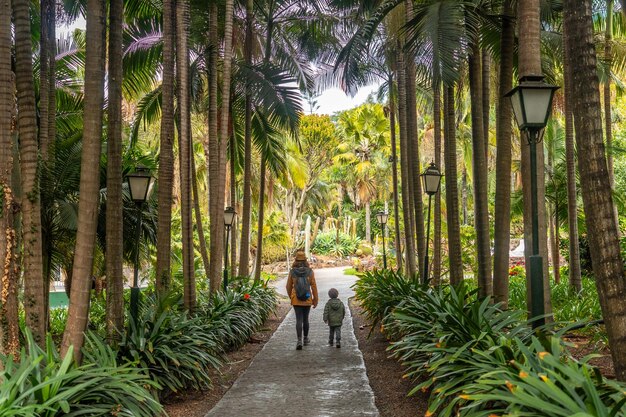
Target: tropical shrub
233,316
42,384
544,381
380,291
335,244
171,348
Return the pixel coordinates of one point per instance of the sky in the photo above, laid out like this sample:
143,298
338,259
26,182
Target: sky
334,99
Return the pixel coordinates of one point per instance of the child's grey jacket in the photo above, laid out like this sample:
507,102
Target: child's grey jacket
334,312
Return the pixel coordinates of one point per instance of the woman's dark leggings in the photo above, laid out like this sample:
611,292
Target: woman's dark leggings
302,320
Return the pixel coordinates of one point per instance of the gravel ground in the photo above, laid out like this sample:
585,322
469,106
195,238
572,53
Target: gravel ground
384,373
198,403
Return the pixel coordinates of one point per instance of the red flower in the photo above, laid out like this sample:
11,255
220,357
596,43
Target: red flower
246,296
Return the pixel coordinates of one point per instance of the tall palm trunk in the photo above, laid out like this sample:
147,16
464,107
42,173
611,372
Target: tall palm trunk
608,120
244,254
34,288
9,324
394,168
114,229
259,240
413,140
185,152
502,212
368,222
575,275
437,214
213,145
530,64
486,92
89,180
409,228
198,216
452,193
218,167
595,185
233,203
479,166
166,153
47,99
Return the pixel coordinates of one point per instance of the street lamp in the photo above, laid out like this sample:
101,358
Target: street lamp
140,184
382,217
532,104
431,179
229,219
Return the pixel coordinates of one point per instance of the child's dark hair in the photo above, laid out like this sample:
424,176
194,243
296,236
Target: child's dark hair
333,293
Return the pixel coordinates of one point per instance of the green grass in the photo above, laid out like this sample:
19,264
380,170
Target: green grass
350,271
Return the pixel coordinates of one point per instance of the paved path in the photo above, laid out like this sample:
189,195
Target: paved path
319,381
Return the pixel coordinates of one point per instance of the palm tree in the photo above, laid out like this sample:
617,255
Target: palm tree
114,225
502,212
89,180
595,184
575,275
166,153
47,58
185,151
9,325
479,168
244,248
34,285
452,193
217,155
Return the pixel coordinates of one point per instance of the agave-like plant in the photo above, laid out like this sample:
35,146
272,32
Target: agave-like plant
43,384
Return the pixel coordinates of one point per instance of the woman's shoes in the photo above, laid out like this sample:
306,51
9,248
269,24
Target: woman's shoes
299,345
306,341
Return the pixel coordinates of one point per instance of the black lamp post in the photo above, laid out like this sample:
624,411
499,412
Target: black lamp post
532,104
382,220
431,179
140,185
229,219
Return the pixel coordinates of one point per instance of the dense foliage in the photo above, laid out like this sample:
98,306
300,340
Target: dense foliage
476,359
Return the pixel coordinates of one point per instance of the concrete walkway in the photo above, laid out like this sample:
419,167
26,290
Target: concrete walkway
319,381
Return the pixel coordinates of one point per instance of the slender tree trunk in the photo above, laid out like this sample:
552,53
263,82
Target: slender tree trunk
89,180
114,230
413,140
259,240
47,90
486,92
185,150
34,288
218,172
530,64
464,196
368,223
502,212
437,215
198,216
214,144
233,203
166,153
602,230
575,275
452,194
394,168
246,217
608,119
479,165
9,324
409,229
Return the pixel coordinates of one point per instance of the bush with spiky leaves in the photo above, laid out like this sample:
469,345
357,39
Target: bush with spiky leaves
43,384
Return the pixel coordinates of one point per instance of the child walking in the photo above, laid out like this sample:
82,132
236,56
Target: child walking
334,312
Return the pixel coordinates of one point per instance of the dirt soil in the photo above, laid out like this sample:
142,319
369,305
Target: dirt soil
198,403
583,346
384,373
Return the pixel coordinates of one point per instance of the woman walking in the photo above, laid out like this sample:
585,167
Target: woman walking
302,290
